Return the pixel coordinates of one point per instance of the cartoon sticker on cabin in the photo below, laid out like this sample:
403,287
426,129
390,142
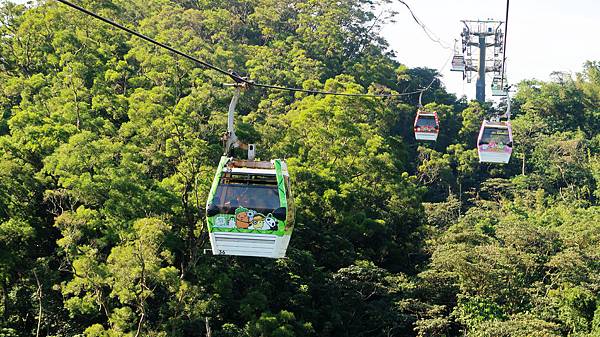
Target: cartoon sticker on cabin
495,147
242,219
257,221
220,221
271,223
224,221
247,219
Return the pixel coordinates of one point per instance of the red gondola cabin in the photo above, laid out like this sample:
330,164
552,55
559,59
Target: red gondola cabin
427,125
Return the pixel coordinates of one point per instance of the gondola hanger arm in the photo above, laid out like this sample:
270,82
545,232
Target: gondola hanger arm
230,138
508,103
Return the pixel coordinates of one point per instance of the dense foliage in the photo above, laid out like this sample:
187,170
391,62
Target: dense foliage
108,146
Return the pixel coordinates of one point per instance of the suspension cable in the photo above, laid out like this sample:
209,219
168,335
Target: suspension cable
433,81
427,31
504,48
144,37
233,75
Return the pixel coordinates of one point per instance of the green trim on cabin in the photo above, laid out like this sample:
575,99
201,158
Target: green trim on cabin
215,184
280,183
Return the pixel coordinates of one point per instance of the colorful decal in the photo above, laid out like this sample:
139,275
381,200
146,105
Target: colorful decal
270,223
242,220
224,221
248,219
425,129
496,147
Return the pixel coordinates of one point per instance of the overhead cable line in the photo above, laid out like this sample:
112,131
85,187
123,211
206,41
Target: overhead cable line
504,48
427,31
144,37
233,75
433,80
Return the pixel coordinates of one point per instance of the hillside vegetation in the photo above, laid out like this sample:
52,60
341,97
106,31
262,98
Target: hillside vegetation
108,147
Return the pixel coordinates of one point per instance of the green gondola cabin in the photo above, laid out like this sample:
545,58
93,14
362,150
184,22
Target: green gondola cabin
250,208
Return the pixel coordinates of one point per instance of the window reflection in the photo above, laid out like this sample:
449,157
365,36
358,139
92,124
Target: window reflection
250,191
495,135
426,121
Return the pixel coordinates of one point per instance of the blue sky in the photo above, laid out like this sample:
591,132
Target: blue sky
543,35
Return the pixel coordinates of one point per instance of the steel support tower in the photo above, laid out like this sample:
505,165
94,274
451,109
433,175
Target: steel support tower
482,34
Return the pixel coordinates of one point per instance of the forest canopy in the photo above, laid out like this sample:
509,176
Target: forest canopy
109,144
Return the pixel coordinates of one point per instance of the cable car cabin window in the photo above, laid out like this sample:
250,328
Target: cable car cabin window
495,135
252,191
426,121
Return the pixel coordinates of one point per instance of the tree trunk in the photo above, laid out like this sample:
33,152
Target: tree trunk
39,295
4,300
460,199
207,324
139,327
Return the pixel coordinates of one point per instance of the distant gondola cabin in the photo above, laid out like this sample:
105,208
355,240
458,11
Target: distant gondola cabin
426,126
495,142
497,89
458,63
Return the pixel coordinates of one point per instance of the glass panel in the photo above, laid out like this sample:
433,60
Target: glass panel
256,192
426,121
495,135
